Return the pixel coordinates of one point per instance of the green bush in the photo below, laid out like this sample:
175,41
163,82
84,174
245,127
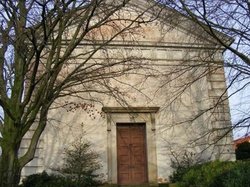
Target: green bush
81,164
45,180
238,176
243,151
181,164
79,169
217,173
178,174
203,175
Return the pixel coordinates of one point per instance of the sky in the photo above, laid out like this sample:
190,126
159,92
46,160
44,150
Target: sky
239,109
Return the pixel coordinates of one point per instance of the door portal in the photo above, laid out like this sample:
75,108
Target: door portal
131,154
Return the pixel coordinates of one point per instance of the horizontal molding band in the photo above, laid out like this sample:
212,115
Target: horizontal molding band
130,109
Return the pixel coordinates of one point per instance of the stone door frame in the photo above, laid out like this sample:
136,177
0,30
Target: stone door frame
131,115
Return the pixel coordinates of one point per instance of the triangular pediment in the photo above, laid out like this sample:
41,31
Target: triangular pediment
174,25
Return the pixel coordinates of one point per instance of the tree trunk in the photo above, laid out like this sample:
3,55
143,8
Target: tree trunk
10,170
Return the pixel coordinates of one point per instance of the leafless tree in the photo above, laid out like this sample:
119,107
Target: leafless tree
39,64
226,24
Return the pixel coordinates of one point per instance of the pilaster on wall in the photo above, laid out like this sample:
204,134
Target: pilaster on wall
221,126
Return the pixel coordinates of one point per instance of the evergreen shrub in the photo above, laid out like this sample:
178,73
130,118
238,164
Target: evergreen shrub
217,173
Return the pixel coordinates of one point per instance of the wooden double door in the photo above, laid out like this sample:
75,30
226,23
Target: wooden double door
131,154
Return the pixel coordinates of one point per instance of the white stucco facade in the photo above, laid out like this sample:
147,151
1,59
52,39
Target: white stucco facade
176,113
